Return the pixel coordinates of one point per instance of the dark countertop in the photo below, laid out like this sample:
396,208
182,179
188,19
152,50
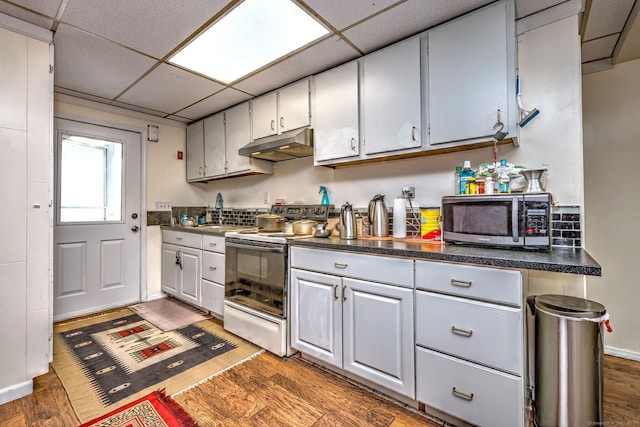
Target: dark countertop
559,259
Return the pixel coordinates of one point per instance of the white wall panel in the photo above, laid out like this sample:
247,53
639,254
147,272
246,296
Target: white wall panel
13,335
13,194
13,84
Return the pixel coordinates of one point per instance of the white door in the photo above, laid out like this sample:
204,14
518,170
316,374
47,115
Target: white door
97,218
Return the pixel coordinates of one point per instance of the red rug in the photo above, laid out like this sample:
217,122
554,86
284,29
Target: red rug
155,409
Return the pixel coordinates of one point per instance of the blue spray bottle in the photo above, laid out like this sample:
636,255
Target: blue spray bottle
325,196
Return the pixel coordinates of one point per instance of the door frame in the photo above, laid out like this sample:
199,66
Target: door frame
142,131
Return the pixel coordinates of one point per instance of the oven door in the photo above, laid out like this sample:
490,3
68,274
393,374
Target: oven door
483,220
256,275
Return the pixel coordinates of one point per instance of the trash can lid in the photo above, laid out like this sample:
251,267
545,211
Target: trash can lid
570,306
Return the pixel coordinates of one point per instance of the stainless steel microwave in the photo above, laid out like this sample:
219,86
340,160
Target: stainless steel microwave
517,220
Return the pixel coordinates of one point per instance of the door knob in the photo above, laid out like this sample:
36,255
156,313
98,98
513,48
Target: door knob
135,228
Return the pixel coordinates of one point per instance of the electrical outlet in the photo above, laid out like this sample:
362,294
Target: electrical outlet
163,206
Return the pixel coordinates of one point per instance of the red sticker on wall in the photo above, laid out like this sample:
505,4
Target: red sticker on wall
179,155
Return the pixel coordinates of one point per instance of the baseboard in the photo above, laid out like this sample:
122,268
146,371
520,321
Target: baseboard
619,352
16,391
155,297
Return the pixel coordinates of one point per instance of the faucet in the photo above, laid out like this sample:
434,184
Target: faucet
219,207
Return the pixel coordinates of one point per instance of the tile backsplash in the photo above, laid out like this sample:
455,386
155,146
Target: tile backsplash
566,226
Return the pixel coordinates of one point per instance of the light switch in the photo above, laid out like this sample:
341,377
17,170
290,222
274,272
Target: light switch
152,133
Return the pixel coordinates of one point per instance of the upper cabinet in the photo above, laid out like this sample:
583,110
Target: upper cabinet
391,98
471,76
281,111
336,129
213,144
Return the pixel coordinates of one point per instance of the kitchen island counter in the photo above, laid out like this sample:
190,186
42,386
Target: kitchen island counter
559,259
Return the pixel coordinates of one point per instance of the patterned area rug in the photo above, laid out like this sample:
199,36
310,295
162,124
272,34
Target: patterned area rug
110,360
154,410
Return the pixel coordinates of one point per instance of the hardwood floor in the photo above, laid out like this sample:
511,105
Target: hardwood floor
270,391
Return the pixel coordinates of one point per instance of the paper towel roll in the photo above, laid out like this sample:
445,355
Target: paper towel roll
400,218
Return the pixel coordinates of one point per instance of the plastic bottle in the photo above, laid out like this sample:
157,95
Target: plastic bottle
504,181
325,196
466,173
488,185
184,219
457,179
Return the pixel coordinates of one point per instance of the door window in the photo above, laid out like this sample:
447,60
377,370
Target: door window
90,180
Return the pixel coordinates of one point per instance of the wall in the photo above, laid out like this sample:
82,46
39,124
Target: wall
611,153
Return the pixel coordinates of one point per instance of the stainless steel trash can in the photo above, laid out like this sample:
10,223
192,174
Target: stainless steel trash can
568,361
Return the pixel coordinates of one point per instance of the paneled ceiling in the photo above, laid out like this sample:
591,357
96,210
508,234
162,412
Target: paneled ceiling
115,52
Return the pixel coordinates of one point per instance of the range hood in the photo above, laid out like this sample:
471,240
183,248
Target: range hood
286,146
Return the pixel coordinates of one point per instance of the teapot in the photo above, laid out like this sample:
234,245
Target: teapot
347,222
378,216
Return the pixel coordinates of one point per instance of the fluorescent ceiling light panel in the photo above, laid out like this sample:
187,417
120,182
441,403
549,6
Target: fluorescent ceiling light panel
252,35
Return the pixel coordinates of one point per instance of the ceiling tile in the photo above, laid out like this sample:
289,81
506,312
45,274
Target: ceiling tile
607,17
599,48
142,24
169,89
28,15
326,54
138,108
341,14
407,19
86,63
216,102
527,7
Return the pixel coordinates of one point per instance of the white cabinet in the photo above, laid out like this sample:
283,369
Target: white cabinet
470,342
213,144
471,75
195,151
281,111
391,98
213,264
336,131
182,265
361,326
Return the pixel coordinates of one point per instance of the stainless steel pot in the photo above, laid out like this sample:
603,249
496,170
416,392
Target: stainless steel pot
304,226
270,222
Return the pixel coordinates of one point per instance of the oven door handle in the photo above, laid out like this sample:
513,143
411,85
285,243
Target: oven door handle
255,248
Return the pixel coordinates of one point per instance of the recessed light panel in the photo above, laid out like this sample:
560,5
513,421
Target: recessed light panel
252,35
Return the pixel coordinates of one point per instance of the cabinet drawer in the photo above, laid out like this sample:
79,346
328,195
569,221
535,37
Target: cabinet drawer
213,297
395,271
213,243
486,333
467,391
213,267
191,240
491,284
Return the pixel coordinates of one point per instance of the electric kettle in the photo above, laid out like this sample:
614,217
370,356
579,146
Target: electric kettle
378,216
347,222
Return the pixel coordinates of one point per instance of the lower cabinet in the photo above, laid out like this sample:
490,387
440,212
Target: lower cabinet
181,271
193,269
361,326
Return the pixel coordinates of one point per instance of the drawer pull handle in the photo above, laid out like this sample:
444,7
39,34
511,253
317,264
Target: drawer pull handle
335,292
340,265
178,238
344,292
461,283
213,268
462,395
463,332
213,244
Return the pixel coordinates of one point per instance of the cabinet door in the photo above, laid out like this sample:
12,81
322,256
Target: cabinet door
264,115
316,315
191,275
293,106
238,134
378,334
195,151
336,134
214,145
170,270
468,81
391,98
